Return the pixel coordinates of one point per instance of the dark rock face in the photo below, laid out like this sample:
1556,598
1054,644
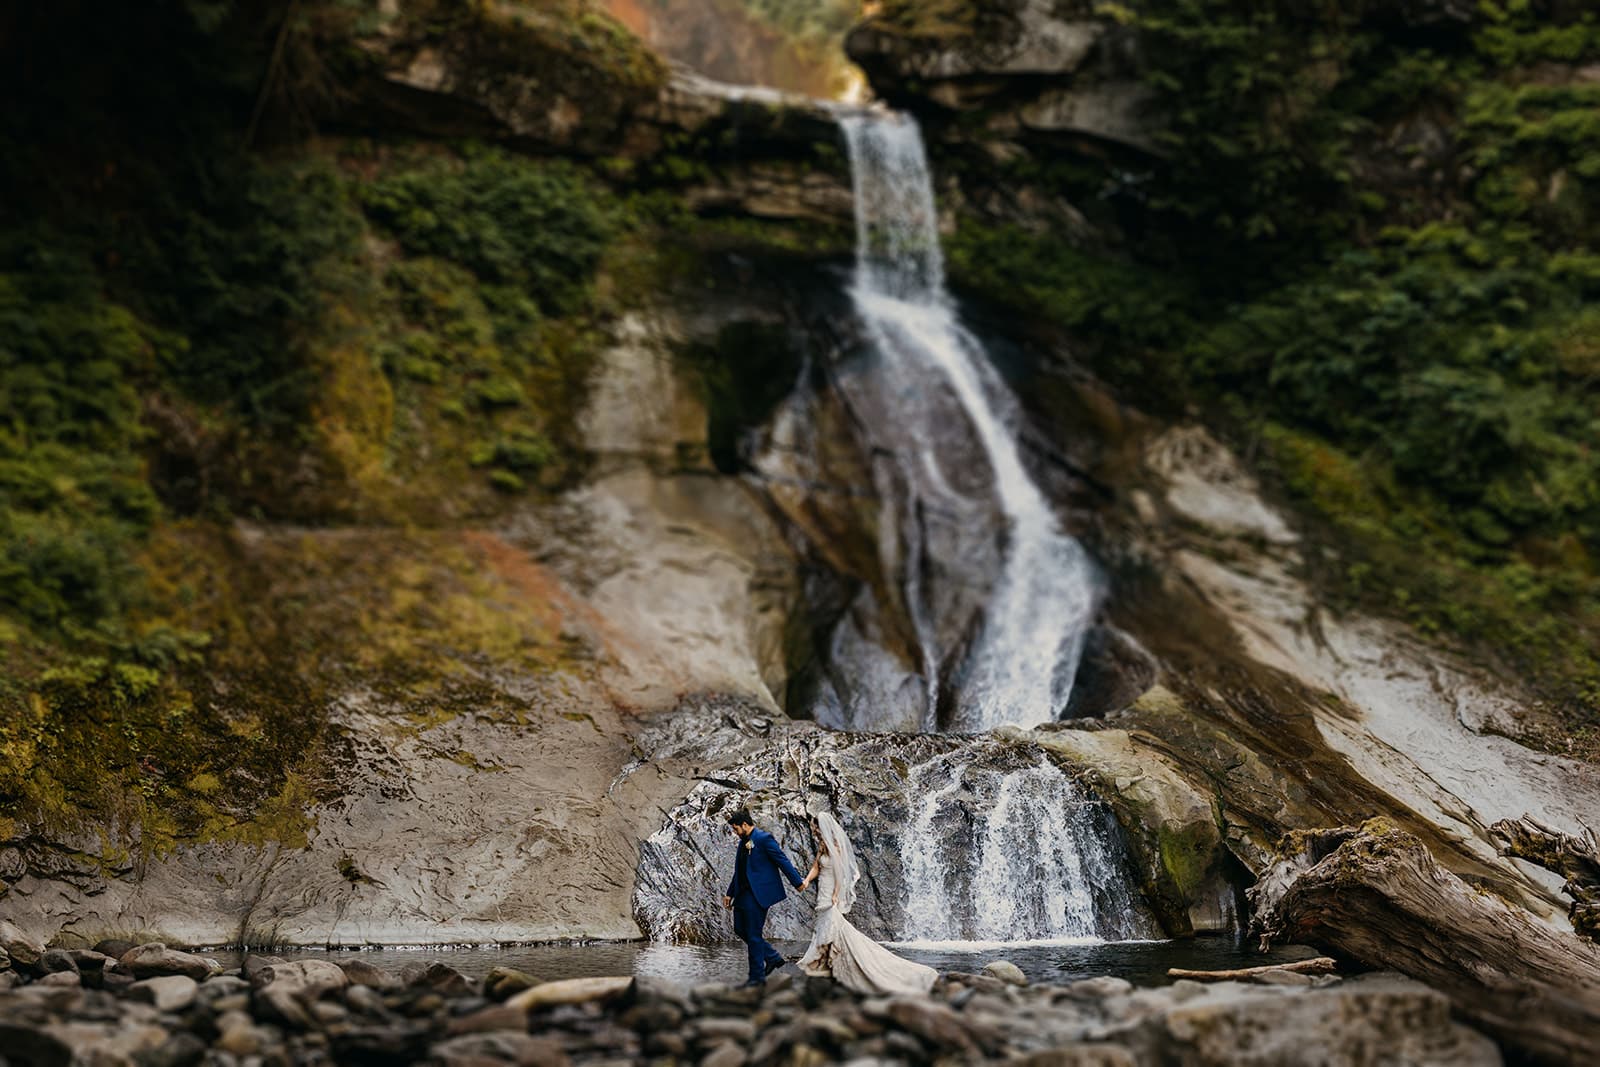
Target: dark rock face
1115,671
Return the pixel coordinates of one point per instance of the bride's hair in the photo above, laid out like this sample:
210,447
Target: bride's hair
816,834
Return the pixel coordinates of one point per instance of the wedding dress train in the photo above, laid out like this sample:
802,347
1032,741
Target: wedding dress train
840,951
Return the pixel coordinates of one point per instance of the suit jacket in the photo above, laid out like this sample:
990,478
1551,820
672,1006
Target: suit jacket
764,863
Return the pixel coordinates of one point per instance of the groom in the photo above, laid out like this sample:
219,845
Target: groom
754,889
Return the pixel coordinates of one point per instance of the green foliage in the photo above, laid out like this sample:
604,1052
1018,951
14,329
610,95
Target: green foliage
118,748
1077,289
489,308
537,230
241,272
1253,130
73,498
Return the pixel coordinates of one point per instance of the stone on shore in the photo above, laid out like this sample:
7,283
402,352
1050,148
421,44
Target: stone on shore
115,947
61,979
447,981
173,992
477,1050
1007,972
570,991
90,960
156,960
55,960
254,965
1104,986
362,973
22,950
502,982
302,977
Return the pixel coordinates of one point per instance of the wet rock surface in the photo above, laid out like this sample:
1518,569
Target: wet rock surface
284,1014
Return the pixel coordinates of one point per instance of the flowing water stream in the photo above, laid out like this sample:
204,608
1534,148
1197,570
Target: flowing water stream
938,393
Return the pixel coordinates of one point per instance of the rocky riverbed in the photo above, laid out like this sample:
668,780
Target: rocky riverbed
155,1006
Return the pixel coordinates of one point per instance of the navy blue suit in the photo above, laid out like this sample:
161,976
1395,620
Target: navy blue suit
758,873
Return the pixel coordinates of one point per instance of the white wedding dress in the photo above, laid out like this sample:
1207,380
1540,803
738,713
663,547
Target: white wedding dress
840,951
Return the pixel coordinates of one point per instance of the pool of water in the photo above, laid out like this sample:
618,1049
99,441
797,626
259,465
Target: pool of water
1141,962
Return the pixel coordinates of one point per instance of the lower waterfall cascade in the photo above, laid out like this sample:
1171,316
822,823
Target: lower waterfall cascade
1042,860
960,841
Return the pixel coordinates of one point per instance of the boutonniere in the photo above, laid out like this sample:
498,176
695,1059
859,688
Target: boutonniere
749,846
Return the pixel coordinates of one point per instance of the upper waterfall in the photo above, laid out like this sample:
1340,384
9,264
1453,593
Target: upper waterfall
974,530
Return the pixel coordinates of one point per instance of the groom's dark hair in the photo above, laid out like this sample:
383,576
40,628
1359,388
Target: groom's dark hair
741,818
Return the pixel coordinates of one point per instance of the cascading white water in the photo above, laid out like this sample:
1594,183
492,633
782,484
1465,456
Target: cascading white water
1020,668
1044,862
926,872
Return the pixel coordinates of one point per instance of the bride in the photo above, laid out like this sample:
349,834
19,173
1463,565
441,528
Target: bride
838,949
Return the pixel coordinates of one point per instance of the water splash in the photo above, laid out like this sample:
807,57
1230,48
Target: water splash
1049,865
935,378
927,871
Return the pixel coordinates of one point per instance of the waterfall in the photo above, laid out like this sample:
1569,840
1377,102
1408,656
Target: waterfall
979,536
1027,853
960,839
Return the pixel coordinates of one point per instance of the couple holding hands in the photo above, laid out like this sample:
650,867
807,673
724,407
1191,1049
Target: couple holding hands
838,950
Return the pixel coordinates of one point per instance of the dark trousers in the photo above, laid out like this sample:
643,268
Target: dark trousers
748,919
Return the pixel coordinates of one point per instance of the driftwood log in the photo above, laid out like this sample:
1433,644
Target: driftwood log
1376,895
1575,858
1319,965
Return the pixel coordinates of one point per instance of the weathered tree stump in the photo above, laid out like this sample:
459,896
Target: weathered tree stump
1575,858
1376,895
